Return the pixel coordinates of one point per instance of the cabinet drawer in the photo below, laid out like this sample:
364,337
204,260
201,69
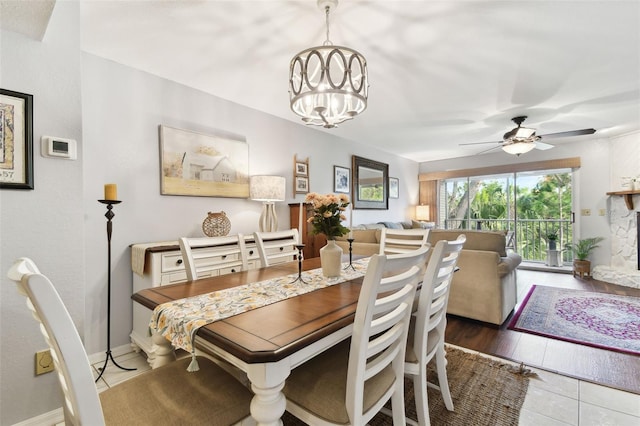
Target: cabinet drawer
172,278
171,262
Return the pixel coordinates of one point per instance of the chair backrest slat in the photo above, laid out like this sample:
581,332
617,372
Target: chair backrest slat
402,240
273,246
202,255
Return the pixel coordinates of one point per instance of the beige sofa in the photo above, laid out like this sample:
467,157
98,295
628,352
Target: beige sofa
484,288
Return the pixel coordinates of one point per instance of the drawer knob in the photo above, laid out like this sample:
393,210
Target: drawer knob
233,270
224,256
281,248
250,252
179,262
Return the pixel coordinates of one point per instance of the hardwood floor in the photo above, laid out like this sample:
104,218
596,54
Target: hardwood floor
609,368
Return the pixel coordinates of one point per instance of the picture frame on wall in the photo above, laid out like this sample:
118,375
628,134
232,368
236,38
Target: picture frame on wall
203,165
394,187
302,169
300,175
341,179
302,185
16,140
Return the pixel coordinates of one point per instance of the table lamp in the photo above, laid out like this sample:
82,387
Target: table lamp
422,213
267,189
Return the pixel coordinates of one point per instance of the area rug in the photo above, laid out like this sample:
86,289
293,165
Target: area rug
485,392
600,320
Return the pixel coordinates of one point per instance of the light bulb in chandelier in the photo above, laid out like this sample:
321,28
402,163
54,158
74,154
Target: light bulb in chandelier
328,84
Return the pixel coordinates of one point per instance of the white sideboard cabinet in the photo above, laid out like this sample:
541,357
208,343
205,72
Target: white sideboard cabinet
163,265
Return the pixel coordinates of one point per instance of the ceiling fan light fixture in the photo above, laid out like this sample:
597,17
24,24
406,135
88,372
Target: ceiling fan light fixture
517,148
328,84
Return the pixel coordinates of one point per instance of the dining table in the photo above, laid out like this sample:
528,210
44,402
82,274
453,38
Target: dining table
266,342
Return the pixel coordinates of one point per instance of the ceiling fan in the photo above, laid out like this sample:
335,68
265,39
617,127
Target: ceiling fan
522,139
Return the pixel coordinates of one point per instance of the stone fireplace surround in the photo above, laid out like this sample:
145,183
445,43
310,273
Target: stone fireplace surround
623,269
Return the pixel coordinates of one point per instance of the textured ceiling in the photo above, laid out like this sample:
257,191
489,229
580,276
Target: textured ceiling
441,73
26,17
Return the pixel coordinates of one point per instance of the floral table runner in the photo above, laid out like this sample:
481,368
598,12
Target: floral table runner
178,321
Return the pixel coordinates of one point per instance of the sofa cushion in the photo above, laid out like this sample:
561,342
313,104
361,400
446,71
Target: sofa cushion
476,240
363,236
421,225
392,225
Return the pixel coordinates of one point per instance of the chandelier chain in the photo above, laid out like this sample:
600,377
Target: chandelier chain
327,42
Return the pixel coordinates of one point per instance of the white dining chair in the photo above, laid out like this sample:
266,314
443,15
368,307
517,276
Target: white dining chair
277,246
218,254
428,324
167,395
402,240
349,383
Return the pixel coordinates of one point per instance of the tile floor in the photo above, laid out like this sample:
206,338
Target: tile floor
552,399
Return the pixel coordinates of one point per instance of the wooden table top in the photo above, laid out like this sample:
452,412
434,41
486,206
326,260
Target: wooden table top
275,331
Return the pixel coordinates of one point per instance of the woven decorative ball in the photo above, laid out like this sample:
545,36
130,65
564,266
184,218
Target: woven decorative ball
216,224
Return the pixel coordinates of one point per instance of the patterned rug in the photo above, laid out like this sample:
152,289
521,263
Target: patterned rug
600,320
485,392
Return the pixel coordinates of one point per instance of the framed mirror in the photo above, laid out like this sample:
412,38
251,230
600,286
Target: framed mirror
370,184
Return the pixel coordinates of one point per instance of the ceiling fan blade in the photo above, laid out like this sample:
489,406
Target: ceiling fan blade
543,146
477,143
487,150
569,133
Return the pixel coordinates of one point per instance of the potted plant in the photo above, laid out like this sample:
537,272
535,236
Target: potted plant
581,251
552,239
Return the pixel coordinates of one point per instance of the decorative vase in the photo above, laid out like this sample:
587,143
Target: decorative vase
552,244
331,259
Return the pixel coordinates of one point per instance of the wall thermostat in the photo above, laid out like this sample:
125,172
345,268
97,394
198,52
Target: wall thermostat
59,148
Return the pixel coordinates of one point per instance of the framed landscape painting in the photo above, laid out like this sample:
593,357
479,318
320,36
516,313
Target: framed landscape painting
16,140
203,165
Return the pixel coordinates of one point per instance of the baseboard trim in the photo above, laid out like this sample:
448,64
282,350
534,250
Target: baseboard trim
52,418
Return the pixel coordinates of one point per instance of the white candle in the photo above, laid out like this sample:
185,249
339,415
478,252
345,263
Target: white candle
300,224
351,223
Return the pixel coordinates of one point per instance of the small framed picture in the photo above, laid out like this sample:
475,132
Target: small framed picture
341,179
301,169
16,140
302,185
394,187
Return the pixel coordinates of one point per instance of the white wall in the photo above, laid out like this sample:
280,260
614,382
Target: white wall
122,109
591,185
47,223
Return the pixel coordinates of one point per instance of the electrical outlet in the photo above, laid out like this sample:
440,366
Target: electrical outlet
586,212
602,212
44,362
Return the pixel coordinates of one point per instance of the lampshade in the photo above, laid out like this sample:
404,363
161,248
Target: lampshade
422,213
267,188
328,84
517,148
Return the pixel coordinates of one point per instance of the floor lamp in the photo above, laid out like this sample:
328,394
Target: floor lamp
269,190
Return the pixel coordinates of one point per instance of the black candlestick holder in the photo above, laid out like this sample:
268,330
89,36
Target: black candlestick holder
350,265
109,215
299,247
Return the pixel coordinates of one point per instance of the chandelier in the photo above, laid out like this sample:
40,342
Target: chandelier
519,140
328,84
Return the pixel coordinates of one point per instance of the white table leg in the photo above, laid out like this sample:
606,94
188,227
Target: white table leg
161,353
268,403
